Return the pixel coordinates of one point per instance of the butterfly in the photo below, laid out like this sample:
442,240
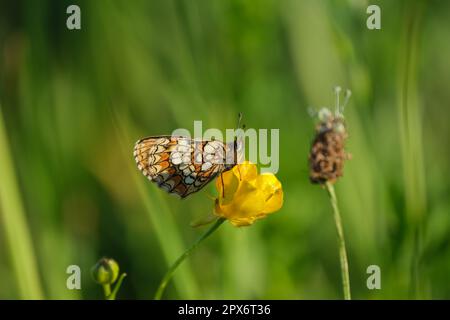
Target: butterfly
181,165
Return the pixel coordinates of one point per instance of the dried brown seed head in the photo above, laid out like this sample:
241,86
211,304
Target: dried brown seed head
327,155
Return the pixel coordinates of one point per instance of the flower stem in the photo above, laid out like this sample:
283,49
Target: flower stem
341,241
171,271
107,290
113,293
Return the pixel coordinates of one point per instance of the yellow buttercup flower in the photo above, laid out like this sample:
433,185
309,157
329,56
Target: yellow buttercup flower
245,195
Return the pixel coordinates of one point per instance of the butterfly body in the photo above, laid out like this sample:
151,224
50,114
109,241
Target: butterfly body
181,165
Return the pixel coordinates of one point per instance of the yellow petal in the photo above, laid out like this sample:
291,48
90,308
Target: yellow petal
275,202
242,222
248,204
246,171
273,192
226,185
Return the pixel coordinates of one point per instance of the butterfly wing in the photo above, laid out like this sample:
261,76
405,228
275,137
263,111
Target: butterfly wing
180,165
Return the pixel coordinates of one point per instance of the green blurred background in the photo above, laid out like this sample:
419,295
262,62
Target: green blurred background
74,102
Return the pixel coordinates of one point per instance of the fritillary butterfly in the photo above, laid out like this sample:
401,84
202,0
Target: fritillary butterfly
181,165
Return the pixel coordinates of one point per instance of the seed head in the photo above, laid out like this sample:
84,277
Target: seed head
327,155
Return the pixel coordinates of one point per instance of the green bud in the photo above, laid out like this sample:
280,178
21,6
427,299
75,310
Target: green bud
105,271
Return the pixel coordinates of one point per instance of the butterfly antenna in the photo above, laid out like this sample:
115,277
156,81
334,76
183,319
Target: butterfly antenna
239,120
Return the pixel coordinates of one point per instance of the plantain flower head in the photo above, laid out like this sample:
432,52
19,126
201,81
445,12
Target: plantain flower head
328,155
246,196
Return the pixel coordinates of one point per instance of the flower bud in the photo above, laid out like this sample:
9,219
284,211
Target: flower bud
105,271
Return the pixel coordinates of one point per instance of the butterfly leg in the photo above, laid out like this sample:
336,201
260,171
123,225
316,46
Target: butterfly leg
223,185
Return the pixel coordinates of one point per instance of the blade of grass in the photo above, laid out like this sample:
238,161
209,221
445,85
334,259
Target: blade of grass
410,115
16,229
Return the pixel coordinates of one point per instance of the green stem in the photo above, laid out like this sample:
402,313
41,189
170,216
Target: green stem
112,295
107,290
171,271
341,241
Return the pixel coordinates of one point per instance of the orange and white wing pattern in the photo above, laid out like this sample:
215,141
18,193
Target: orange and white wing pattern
180,165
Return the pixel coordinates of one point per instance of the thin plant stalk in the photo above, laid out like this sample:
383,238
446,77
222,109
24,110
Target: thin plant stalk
107,290
172,269
341,242
111,295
